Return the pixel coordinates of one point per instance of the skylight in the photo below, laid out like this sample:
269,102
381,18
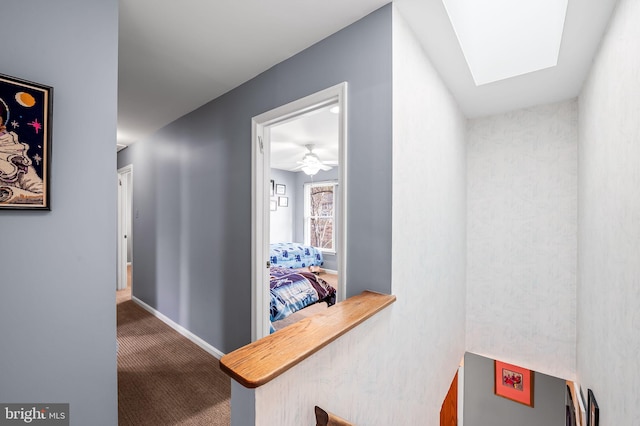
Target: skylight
505,38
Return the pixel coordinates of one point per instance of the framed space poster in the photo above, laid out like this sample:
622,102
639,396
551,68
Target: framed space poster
25,144
513,382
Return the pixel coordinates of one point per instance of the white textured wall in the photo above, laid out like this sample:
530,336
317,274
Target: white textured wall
429,229
522,249
609,223
396,368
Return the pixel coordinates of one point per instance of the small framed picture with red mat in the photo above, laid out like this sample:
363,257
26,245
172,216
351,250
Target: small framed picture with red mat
513,382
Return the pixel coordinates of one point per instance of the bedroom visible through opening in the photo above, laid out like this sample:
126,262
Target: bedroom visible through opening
299,174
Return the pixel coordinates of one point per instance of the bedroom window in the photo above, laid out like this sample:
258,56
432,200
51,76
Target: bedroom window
319,215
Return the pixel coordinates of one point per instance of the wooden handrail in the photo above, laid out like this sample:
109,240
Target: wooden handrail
265,359
324,418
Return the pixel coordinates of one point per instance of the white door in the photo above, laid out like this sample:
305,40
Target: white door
124,222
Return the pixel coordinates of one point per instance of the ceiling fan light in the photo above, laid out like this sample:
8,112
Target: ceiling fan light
310,169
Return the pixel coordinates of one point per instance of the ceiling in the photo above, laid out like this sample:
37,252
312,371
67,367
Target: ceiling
319,128
177,56
585,23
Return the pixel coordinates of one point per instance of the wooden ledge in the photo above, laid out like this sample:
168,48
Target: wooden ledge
265,359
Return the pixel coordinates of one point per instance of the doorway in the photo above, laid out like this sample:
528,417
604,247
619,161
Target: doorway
124,227
266,130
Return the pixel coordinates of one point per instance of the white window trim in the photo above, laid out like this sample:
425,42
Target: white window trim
307,208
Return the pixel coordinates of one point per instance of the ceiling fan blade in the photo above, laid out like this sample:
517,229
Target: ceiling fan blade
324,167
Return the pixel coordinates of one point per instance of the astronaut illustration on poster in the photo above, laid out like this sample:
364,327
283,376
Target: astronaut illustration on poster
24,139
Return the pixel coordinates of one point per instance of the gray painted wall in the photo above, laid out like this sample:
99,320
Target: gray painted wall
283,219
192,185
483,408
57,307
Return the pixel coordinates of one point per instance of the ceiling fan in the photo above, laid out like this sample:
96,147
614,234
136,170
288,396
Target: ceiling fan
311,163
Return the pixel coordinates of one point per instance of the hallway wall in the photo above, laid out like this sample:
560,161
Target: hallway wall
58,279
609,223
192,185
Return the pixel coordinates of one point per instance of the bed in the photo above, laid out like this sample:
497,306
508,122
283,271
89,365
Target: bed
294,255
293,290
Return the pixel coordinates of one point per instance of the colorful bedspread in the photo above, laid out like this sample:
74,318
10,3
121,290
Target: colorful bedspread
294,255
294,290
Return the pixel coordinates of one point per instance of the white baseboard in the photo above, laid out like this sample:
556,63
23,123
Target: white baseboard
330,271
180,329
